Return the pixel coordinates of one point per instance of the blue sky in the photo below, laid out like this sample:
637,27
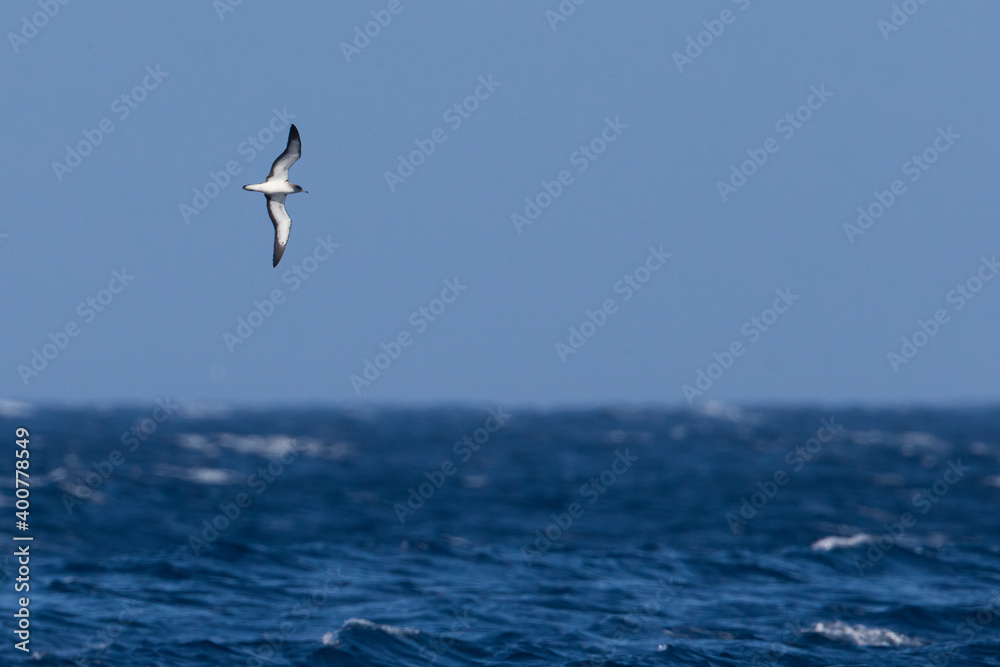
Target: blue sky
693,166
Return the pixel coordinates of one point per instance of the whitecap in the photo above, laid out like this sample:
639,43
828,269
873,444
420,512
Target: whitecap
723,411
475,481
198,475
216,411
267,446
840,542
14,409
913,443
333,638
861,635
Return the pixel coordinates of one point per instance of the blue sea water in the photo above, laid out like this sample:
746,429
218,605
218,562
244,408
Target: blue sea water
169,535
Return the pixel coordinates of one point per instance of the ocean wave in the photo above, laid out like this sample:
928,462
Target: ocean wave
267,446
861,635
210,476
14,409
364,625
840,542
540,549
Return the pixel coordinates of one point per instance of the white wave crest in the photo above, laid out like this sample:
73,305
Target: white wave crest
14,409
267,446
333,638
207,476
860,635
840,542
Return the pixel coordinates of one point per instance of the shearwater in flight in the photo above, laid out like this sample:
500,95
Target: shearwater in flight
276,187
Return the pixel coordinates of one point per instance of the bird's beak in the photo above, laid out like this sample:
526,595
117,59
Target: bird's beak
306,191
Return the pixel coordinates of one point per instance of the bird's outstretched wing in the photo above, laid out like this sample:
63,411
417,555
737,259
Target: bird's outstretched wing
282,224
293,151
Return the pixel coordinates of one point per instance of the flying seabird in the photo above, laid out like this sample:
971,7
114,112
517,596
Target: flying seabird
276,187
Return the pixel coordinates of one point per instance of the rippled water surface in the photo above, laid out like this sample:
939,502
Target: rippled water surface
496,536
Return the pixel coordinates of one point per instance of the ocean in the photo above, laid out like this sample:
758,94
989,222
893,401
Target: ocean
164,534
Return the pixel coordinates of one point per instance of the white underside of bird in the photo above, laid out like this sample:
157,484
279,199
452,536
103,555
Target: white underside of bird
276,187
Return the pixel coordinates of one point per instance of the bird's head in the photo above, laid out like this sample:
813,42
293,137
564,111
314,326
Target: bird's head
298,188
